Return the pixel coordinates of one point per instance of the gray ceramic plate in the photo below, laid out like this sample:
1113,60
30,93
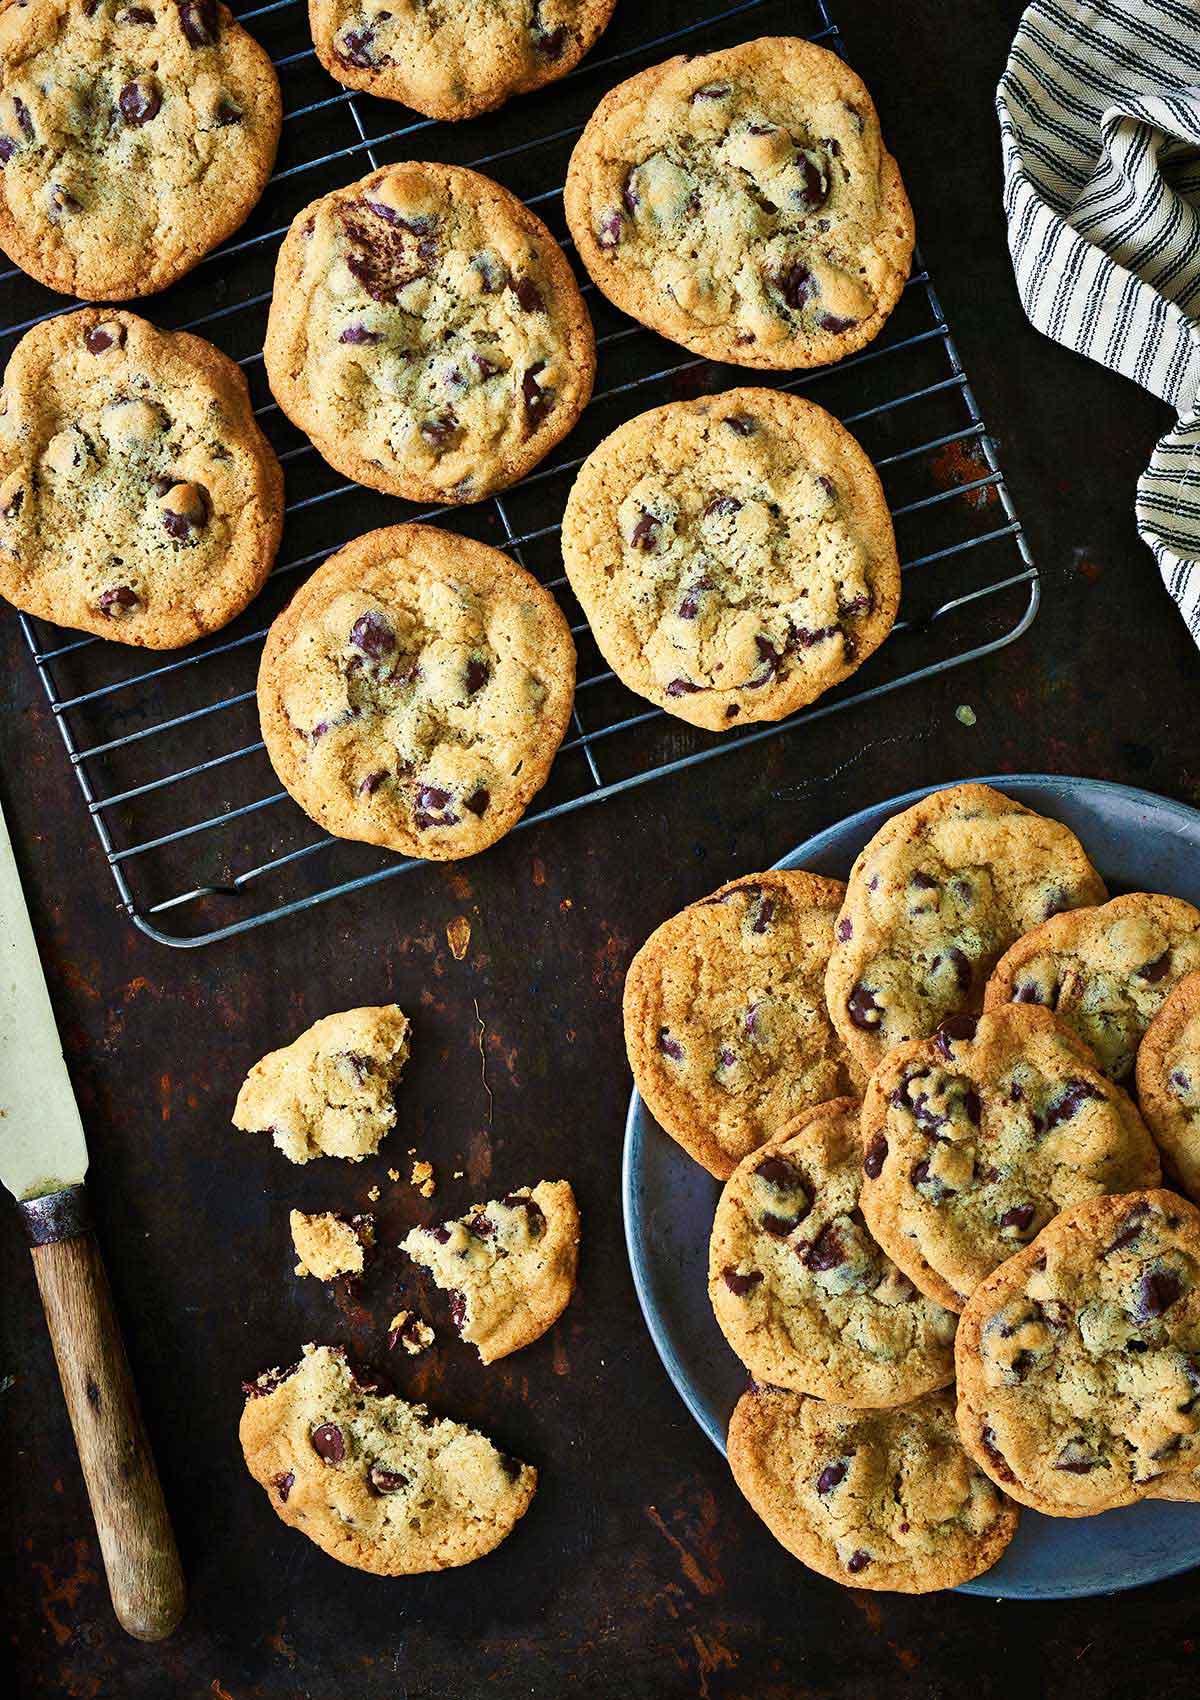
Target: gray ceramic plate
1139,842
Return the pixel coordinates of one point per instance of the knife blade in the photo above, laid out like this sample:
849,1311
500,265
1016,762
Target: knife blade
43,1162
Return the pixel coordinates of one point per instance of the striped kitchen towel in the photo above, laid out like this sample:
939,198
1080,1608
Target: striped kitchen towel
1100,124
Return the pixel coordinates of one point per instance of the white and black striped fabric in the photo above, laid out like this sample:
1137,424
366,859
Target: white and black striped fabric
1100,123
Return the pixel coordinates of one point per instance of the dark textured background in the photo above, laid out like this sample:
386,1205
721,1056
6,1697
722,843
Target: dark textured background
639,1571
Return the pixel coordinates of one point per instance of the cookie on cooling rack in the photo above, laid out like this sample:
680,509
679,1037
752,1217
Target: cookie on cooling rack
138,498
372,1480
1078,1382
934,900
725,1023
976,1138
734,555
1106,971
454,62
509,1265
802,1292
427,332
133,139
415,691
1168,1082
743,203
871,1499
330,1093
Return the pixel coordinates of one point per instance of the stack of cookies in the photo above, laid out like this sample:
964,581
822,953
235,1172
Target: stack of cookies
942,1250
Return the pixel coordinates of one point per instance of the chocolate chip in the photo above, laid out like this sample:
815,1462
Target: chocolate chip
1026,992
858,1561
353,47
534,1214
645,533
529,296
184,511
987,1439
863,1009
477,802
385,1481
373,635
779,1227
24,118
740,1285
119,603
814,191
458,1310
538,400
608,233
825,1252
957,1029
722,505
101,337
438,431
741,424
359,336
689,608
550,43
777,1172
329,1443
1180,1081
845,929
1076,1458
370,784
480,1225
629,194
1019,1218
1157,1291
7,149
62,200
478,674
795,283
199,22
133,15
682,688
285,1480
876,1156
140,101
835,326
830,1476
763,915
959,962
13,506
668,1046
226,113
388,251
1070,1100
1153,972
1129,1229
712,91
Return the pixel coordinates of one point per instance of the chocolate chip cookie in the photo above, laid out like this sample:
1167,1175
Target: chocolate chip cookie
133,139
328,1245
803,1293
1079,1359
734,555
373,1481
138,498
976,1138
414,692
1168,1083
509,1265
1106,971
871,1499
427,332
725,1025
458,61
934,900
743,203
330,1092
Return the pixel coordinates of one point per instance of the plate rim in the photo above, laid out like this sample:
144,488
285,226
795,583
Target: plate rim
630,1206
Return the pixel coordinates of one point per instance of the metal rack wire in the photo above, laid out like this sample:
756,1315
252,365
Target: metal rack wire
166,749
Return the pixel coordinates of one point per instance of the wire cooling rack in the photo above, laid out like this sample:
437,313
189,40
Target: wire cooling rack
202,841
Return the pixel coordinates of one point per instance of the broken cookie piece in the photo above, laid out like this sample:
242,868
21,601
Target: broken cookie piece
508,1265
329,1093
329,1245
375,1482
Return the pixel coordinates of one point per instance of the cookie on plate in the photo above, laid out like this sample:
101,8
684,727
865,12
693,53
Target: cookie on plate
328,1245
329,1093
805,1296
509,1265
725,1024
458,61
1078,1382
138,498
1168,1083
743,203
375,1482
974,1139
734,555
415,690
427,332
871,1499
933,902
1106,971
133,139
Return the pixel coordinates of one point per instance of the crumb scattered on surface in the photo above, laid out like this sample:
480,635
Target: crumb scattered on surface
965,714
409,1331
422,1179
373,1193
327,1245
393,1174
458,936
459,1173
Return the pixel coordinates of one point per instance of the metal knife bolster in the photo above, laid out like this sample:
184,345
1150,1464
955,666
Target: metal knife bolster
57,1215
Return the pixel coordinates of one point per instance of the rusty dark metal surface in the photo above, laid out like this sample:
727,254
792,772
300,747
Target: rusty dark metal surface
639,1571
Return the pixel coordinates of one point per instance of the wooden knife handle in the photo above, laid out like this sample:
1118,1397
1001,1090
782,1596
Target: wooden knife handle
136,1540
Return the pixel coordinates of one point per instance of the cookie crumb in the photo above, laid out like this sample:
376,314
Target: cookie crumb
328,1245
458,936
409,1331
965,714
422,1179
459,1173
393,1174
373,1193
